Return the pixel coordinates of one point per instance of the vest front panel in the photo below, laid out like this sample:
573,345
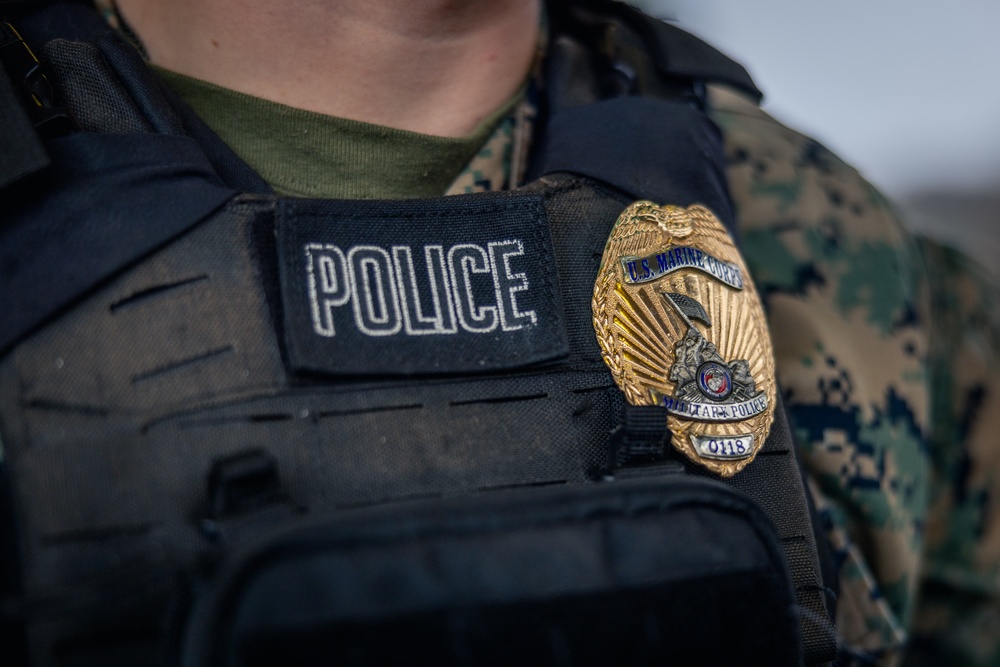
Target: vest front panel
114,413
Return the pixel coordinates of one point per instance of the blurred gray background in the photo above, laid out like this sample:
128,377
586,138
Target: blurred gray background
908,91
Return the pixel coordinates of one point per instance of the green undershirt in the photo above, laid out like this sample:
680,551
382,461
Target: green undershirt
307,154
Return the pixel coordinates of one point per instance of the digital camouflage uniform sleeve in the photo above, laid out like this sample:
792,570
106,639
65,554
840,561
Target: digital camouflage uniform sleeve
840,280
957,621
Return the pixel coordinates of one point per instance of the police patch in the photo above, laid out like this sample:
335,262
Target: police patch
680,325
418,287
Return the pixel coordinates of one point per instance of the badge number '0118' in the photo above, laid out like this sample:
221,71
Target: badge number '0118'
681,326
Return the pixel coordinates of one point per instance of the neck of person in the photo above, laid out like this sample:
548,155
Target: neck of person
436,67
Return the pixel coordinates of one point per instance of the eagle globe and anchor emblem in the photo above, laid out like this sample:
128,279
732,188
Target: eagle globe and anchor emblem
681,326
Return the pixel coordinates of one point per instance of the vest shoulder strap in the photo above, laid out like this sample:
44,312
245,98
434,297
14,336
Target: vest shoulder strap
614,79
624,32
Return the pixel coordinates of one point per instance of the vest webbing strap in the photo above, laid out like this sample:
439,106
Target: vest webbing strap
21,150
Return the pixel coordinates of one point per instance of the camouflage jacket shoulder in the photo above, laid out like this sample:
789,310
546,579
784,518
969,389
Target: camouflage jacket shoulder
841,278
957,621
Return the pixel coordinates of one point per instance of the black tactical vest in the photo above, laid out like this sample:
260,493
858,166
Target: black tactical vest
244,429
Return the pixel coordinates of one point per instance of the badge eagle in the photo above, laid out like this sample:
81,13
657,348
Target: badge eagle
680,325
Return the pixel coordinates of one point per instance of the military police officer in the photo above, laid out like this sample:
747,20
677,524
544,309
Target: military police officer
260,308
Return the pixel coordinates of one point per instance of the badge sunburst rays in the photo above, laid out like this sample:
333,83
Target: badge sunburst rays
639,325
688,254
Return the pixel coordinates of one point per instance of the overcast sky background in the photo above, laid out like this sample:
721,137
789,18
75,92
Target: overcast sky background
906,90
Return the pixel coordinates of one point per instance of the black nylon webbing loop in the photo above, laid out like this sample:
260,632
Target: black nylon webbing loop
641,437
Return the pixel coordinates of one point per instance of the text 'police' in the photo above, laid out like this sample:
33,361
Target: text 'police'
423,290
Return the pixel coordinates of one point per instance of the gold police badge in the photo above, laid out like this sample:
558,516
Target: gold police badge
681,325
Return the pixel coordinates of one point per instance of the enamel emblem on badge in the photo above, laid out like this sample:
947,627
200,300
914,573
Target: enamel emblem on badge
680,325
